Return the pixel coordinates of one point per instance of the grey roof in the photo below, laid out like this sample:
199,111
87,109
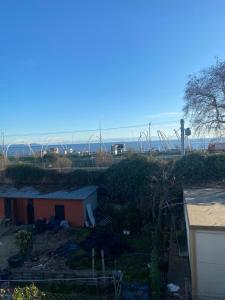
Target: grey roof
206,208
204,195
30,192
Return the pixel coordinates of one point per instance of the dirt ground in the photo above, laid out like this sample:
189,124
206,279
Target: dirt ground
7,244
44,246
178,268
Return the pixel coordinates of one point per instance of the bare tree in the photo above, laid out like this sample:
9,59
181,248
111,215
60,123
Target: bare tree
205,99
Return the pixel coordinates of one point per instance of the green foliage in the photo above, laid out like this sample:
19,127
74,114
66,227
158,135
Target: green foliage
190,168
125,217
27,293
155,278
23,174
196,168
215,167
135,188
126,180
79,178
50,158
24,240
79,261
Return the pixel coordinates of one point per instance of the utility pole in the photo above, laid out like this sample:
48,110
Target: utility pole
182,137
3,142
149,136
100,136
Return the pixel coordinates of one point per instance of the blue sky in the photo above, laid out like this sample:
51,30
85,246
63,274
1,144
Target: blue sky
65,65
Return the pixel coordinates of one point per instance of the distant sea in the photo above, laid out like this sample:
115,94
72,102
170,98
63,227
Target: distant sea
25,150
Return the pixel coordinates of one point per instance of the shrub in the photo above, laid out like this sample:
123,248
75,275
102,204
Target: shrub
23,174
126,180
27,293
191,168
196,168
62,162
103,159
50,158
215,167
24,241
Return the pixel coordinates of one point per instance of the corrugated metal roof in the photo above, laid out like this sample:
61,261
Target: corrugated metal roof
30,192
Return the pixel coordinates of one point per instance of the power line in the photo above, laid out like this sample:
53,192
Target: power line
87,130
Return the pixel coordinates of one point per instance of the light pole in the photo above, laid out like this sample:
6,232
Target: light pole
149,136
182,137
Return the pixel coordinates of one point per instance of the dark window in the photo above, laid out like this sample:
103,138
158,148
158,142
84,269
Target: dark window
59,212
8,208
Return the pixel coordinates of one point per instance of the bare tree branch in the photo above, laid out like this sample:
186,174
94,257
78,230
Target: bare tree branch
205,99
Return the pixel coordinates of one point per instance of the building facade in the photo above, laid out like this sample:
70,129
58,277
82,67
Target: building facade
205,223
27,205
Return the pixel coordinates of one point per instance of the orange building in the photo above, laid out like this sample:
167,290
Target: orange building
27,205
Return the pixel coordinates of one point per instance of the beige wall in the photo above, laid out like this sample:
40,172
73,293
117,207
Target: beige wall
210,262
207,261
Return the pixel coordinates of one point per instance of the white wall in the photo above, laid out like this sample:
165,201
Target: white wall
210,263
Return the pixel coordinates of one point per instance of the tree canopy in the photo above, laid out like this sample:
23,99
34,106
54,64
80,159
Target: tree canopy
205,99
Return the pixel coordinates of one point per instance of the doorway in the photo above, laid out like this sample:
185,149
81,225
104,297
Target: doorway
30,211
59,212
8,208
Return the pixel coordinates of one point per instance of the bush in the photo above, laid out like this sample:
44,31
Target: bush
62,162
215,167
50,158
126,180
27,293
191,168
24,174
24,241
196,168
103,159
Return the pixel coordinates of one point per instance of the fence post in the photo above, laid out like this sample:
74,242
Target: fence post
186,288
103,263
93,262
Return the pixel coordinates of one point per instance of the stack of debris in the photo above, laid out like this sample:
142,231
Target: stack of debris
42,225
67,249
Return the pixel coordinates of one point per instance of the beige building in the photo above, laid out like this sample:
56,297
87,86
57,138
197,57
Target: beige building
205,223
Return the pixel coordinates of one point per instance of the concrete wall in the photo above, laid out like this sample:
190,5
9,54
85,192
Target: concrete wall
210,263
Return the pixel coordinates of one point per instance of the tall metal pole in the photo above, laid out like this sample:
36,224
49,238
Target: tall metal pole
3,143
182,136
100,136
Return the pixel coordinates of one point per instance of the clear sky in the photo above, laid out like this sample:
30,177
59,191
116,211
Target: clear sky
65,65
